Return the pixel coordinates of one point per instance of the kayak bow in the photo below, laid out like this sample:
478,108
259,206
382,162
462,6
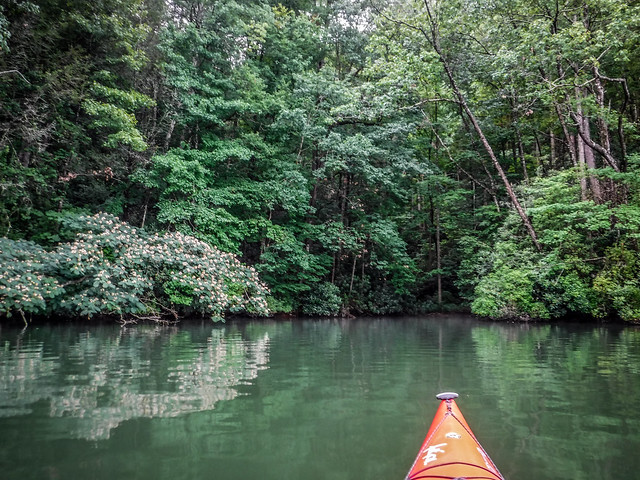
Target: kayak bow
451,450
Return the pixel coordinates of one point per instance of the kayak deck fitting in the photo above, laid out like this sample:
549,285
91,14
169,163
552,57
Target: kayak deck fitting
451,450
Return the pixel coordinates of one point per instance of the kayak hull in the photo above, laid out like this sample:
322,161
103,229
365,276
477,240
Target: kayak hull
451,450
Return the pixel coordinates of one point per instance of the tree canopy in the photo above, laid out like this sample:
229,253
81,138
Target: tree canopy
358,157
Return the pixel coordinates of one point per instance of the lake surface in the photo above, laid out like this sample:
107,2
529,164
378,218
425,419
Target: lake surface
314,399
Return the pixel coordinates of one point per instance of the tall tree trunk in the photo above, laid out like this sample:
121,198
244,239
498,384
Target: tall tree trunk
568,137
589,160
353,272
518,143
537,151
344,197
523,160
603,127
167,137
621,113
585,135
334,266
582,169
438,256
552,149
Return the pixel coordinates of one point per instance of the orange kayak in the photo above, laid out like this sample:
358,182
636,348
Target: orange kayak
451,450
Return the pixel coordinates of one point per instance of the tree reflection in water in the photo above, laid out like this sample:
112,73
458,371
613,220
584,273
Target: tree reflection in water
97,381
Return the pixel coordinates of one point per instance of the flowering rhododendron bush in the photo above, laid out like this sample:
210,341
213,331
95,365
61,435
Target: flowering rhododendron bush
114,268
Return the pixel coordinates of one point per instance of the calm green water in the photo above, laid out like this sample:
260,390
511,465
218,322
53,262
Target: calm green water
312,399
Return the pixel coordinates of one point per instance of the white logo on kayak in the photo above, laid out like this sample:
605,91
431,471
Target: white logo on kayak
431,453
453,435
486,459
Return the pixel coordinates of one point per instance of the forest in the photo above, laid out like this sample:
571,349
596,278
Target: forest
172,158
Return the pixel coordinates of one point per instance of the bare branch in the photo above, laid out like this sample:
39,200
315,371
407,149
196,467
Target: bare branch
7,72
623,81
430,100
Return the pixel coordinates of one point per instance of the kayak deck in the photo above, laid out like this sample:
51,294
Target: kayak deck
451,450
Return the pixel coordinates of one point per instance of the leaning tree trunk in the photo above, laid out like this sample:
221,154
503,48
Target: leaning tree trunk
507,184
433,38
587,152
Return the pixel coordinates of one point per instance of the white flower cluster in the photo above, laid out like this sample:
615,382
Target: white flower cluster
23,285
112,268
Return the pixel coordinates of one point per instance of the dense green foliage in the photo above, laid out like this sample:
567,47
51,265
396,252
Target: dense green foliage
411,157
